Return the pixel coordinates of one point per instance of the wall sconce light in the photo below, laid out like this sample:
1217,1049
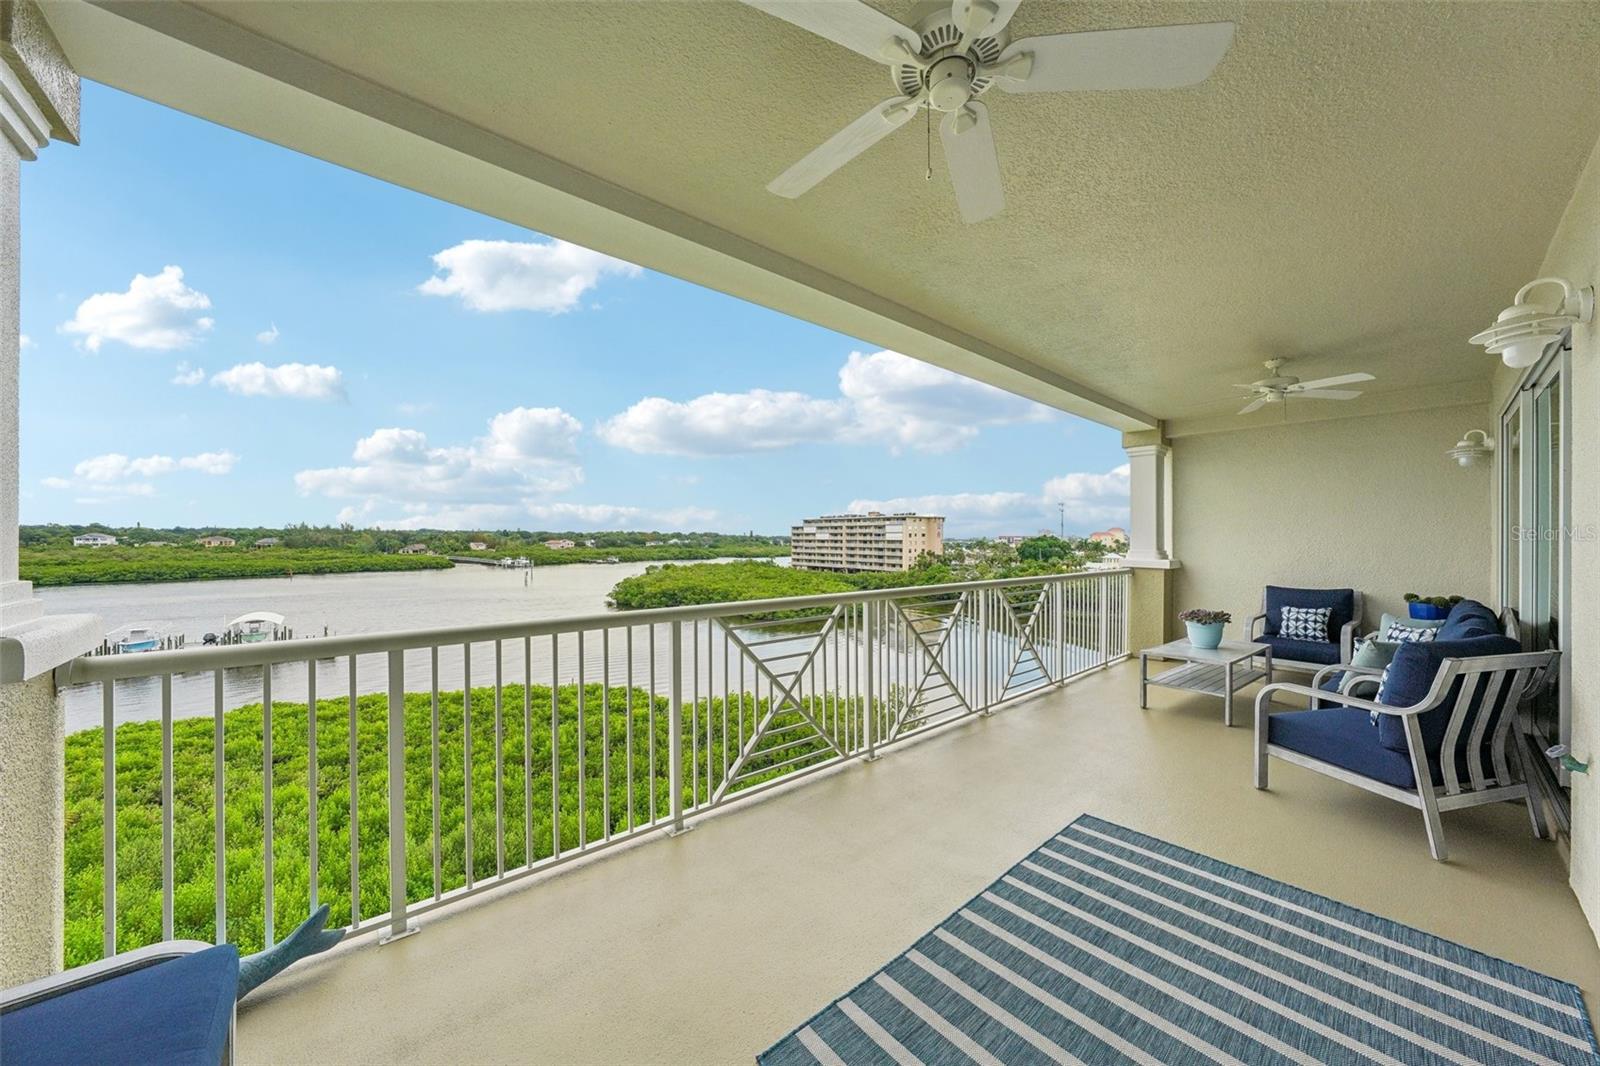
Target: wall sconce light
1472,449
1523,331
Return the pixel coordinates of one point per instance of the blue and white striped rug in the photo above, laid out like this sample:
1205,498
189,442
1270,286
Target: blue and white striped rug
1106,945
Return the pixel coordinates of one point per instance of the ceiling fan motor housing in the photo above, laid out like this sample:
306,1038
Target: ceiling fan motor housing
950,75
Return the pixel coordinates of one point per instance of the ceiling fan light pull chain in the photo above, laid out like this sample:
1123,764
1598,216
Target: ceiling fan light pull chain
929,175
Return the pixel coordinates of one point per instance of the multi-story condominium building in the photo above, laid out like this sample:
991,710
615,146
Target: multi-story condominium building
871,541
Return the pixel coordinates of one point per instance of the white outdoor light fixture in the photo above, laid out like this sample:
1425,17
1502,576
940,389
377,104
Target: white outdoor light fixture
1523,331
1472,449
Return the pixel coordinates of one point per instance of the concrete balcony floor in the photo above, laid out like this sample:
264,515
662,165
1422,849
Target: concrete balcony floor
708,947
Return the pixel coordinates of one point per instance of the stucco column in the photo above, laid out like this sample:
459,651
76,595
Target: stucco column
1150,537
38,103
1149,504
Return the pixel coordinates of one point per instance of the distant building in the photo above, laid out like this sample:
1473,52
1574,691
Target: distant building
560,544
477,546
216,542
156,544
1114,535
94,540
414,549
871,541
589,543
1012,539
268,542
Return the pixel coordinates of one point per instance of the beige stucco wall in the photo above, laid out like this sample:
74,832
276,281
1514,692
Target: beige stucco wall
32,826
1574,254
1368,502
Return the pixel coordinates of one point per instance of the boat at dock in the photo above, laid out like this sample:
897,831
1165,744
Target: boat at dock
135,638
255,627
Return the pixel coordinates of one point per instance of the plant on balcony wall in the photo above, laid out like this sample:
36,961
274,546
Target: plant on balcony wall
1430,607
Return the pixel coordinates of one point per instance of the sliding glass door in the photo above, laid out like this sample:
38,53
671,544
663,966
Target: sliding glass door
1535,483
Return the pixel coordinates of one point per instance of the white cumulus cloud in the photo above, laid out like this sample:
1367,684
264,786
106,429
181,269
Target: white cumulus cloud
114,466
526,453
550,276
117,474
884,398
295,381
160,313
722,423
268,335
187,375
1093,500
924,407
562,515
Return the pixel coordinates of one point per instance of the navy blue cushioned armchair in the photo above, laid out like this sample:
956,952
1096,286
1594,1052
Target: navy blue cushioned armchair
170,1003
1439,736
1344,622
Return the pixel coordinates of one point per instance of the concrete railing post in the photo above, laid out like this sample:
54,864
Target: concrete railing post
39,92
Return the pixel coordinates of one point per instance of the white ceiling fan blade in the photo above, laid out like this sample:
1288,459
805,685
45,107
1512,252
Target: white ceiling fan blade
844,146
1322,383
981,18
1324,394
855,25
1154,57
974,166
1256,404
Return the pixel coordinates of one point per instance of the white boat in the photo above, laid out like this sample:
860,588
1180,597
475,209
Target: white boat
255,627
134,638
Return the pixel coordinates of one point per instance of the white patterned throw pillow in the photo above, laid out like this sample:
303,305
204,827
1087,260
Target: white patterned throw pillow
1399,634
1305,623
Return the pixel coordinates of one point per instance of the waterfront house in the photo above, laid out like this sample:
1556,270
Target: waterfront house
216,542
1358,189
477,546
268,542
415,549
94,540
560,544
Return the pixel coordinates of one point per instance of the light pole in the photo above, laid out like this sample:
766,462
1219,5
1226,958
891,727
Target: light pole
1063,509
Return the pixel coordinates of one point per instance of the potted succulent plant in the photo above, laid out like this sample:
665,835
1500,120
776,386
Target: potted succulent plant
1430,607
1205,626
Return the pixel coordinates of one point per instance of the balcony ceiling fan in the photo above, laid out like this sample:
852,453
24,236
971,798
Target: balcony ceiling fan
1278,387
959,50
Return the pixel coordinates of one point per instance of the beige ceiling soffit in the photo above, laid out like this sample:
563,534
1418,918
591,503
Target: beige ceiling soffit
562,201
1398,401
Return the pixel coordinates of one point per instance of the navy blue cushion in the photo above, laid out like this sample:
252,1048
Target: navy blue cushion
1344,737
1469,618
173,1012
1341,602
1302,651
1411,676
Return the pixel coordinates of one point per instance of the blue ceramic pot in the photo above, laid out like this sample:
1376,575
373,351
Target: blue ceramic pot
1205,635
1427,611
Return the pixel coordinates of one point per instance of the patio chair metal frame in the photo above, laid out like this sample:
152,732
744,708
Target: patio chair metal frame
1503,780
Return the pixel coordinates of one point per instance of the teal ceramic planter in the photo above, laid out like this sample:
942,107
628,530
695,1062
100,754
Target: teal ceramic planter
1205,636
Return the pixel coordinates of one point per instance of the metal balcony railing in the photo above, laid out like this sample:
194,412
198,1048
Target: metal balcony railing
517,747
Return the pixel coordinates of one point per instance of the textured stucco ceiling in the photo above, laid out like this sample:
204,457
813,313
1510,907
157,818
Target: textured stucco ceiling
1358,186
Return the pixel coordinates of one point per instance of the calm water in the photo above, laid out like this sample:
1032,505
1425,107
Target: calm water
344,604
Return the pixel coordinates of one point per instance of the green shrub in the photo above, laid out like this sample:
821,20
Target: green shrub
712,732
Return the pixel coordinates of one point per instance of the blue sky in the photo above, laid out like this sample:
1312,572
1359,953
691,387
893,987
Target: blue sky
221,331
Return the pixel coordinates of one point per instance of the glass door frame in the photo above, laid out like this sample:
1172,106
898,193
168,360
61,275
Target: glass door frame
1519,555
